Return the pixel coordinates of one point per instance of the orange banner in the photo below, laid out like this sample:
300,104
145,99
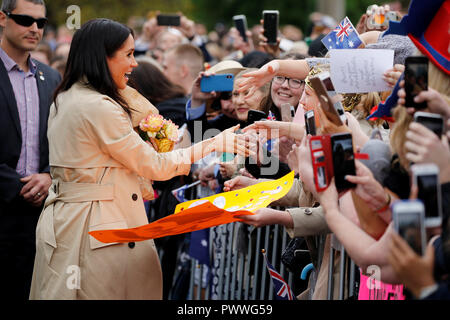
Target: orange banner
200,217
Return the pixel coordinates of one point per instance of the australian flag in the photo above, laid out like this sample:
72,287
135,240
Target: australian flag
280,286
344,36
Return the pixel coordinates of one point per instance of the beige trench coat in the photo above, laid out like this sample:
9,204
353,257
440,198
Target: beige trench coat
96,159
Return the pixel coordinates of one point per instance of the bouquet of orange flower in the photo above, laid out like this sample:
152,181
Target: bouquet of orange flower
159,131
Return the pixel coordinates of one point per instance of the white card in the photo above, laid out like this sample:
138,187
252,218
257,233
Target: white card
360,70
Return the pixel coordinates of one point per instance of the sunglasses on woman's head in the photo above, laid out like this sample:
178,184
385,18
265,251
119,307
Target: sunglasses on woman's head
25,20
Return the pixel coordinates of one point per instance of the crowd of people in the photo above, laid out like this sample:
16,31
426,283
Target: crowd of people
72,160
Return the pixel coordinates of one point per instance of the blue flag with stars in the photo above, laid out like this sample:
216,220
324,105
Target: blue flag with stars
344,36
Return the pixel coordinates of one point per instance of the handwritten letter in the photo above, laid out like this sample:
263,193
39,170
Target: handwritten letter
360,70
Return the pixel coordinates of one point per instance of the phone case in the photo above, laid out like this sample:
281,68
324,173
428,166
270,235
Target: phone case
326,103
218,83
322,161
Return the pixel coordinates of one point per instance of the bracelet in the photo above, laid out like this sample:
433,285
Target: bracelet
386,206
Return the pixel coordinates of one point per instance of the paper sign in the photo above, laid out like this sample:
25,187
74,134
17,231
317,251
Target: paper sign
377,290
204,213
361,70
250,199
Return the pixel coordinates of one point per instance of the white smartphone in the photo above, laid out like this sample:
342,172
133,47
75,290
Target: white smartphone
426,178
408,217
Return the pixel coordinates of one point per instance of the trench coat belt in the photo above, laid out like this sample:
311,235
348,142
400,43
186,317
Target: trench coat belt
69,192
79,192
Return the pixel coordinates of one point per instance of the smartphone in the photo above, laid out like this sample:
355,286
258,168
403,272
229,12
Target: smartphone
432,121
255,115
240,22
426,178
270,25
326,103
408,216
217,82
287,112
168,19
416,80
310,123
343,160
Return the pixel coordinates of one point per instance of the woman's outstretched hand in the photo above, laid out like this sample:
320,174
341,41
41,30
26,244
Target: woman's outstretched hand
228,141
258,78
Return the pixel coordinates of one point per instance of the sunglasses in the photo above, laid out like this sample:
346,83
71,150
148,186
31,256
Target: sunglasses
25,20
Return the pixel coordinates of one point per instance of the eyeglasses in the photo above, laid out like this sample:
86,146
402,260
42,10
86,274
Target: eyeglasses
293,83
26,21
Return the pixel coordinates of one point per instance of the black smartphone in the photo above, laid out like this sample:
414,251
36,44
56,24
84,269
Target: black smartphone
416,80
240,22
270,25
255,115
408,217
168,19
426,178
432,121
310,122
343,160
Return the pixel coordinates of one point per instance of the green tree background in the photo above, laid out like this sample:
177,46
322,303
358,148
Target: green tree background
208,12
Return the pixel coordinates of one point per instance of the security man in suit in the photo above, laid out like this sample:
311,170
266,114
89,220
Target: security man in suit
26,89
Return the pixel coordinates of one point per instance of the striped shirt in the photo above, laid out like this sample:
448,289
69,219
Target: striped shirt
27,98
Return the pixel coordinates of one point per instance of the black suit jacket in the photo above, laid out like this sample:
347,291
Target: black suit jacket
47,80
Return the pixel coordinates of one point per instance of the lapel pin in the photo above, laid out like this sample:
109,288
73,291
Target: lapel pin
41,76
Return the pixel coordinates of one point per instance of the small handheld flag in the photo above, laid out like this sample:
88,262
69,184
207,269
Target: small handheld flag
179,193
344,36
281,287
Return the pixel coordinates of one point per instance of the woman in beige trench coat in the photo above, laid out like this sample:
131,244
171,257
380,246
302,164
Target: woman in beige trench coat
98,167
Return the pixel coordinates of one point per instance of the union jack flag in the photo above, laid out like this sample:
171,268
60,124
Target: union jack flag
280,286
344,36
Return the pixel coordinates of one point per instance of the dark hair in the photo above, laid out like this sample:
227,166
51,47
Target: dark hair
149,81
10,5
91,45
255,59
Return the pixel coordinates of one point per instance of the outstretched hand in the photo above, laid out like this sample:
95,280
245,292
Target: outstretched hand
258,78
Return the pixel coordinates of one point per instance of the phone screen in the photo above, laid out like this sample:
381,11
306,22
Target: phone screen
270,26
168,20
409,228
343,160
428,193
416,80
434,124
240,22
310,123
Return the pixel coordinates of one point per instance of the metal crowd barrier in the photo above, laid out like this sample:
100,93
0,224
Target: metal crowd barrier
240,276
